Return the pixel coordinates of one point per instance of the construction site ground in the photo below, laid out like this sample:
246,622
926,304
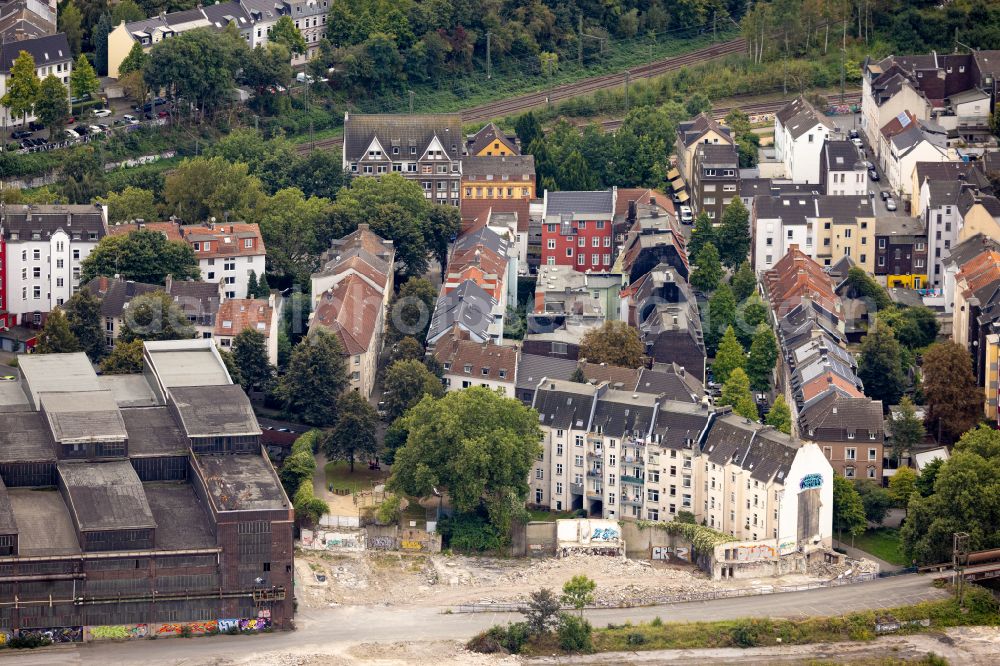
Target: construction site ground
325,579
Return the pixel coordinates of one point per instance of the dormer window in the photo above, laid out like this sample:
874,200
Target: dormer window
467,368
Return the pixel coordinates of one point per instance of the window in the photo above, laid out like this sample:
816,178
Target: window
248,242
653,495
552,244
581,241
569,252
59,282
559,488
581,259
596,241
611,498
539,474
595,258
578,461
851,454
871,472
36,272
849,472
539,495
872,453
36,293
881,243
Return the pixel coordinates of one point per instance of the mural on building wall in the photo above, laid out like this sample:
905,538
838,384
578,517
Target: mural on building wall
177,628
811,481
55,634
115,632
244,624
669,553
754,553
604,534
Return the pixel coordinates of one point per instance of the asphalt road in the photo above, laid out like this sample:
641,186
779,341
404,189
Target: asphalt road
321,629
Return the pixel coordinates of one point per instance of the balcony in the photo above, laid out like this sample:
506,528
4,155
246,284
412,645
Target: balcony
632,460
633,479
595,494
632,501
595,455
594,473
576,488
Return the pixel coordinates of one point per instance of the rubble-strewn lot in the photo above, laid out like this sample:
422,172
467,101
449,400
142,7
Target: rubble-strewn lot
396,579
427,653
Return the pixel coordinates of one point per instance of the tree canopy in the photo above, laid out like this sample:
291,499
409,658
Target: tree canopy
155,316
729,357
848,508
733,234
314,380
55,336
83,313
954,403
614,343
736,392
249,350
405,384
762,359
477,445
879,365
780,416
708,269
353,435
141,256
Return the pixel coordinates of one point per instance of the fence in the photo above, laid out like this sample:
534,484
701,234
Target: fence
709,595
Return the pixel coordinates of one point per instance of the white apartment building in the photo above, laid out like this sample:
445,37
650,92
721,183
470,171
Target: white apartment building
228,254
843,169
52,56
45,246
800,132
618,454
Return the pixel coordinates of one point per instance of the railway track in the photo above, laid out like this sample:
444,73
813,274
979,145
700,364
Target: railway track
586,86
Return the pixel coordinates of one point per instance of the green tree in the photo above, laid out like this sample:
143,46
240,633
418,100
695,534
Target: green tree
848,509
907,429
315,378
578,376
353,436
252,284
729,357
575,173
231,367
750,314
83,79
249,351
718,316
780,416
954,402
902,485
71,23
743,282
200,188
56,336
52,105
284,32
763,357
83,313
155,316
578,592
736,392
614,343
542,611
915,327
23,86
141,256
82,175
411,309
982,440
295,318
126,11
125,359
405,384
99,38
861,285
528,128
136,61
702,233
708,271
132,203
442,226
928,475
879,365
407,349
477,444
733,235
876,500
291,226
266,65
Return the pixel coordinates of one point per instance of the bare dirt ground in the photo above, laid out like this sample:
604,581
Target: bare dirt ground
397,579
429,653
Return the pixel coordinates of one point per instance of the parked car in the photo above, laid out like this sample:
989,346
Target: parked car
34,126
77,100
890,204
857,142
687,217
102,113
885,195
94,129
104,127
21,134
130,119
71,134
873,174
70,120
853,134
159,101
162,114
82,130
302,77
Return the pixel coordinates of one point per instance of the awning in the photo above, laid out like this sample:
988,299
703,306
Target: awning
682,196
673,174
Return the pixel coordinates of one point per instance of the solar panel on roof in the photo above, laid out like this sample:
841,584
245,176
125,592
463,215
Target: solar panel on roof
903,119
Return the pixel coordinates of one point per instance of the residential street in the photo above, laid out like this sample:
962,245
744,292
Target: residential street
324,630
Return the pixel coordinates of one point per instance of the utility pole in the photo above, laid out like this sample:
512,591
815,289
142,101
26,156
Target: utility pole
959,560
713,26
579,41
411,100
843,72
627,75
489,59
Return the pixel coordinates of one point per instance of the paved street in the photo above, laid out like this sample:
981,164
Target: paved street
320,630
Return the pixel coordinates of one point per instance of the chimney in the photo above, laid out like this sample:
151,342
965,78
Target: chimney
169,282
632,214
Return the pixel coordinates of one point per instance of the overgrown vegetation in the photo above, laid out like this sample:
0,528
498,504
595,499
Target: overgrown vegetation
704,539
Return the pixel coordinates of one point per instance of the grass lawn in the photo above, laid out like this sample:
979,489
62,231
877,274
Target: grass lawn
548,516
883,543
338,473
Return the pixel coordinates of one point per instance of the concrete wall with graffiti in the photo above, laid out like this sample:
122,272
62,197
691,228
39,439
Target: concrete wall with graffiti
412,540
655,544
341,540
54,634
115,632
591,536
126,632
749,559
234,625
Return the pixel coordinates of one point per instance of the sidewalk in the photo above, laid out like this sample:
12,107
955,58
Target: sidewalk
859,554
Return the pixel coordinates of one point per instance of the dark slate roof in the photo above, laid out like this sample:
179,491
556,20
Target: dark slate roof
845,207
968,198
7,523
623,413
26,221
579,203
489,133
207,411
227,12
691,132
832,415
717,154
678,423
564,404
799,116
115,294
728,438
105,496
900,228
47,50
484,236
241,483
969,248
769,455
152,431
532,367
512,166
758,187
467,306
842,156
404,131
669,384
790,208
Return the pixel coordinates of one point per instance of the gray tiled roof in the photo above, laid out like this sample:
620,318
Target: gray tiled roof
484,236
26,221
579,203
842,156
403,131
666,379
678,423
833,415
512,166
969,248
207,411
105,496
47,50
623,413
717,154
467,306
531,368
564,404
487,134
790,208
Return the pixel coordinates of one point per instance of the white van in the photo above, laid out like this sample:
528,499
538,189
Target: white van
687,217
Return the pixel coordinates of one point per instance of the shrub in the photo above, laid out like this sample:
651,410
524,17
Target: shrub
657,622
748,633
388,511
574,634
636,638
186,631
511,638
29,642
469,533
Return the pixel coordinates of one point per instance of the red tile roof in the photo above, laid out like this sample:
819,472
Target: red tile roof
456,354
476,212
351,310
238,314
641,195
169,229
222,240
796,276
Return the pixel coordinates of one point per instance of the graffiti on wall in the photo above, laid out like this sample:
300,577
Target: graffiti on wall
177,628
244,624
753,553
382,543
786,547
409,544
55,634
669,553
811,481
4,637
604,534
121,632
